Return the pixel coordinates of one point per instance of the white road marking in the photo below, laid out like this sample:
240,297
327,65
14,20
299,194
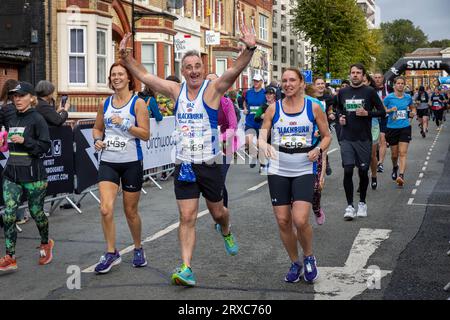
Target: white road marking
429,153
414,192
424,168
431,205
344,283
410,201
157,235
421,175
418,183
331,151
428,158
257,186
425,163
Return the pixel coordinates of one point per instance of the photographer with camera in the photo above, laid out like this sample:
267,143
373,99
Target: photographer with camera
46,104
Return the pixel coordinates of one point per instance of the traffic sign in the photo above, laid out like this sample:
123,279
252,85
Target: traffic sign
308,74
336,82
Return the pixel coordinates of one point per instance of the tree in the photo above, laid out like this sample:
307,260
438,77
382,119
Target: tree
398,38
337,28
445,43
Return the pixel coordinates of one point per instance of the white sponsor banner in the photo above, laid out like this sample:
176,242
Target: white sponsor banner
212,38
159,150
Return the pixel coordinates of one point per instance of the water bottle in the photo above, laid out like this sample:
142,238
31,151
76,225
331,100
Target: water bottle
4,136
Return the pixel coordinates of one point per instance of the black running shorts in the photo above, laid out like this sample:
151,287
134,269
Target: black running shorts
423,113
383,124
394,136
130,174
356,153
209,182
285,190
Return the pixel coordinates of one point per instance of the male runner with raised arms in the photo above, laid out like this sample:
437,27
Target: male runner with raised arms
198,168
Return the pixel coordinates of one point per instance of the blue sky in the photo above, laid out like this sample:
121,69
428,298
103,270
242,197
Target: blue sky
432,16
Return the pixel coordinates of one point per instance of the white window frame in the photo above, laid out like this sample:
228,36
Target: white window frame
76,54
263,27
144,62
225,64
168,66
102,56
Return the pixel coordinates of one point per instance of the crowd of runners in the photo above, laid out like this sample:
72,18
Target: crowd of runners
289,129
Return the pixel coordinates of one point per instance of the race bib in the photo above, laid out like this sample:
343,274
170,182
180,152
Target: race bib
253,109
402,114
353,104
293,142
13,131
115,143
193,146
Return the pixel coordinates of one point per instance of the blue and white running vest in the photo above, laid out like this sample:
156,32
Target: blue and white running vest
292,132
121,146
196,128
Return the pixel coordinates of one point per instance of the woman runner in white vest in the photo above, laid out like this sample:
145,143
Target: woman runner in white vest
122,121
292,165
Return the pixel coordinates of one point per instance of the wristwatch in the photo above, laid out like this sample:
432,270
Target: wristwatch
251,48
320,149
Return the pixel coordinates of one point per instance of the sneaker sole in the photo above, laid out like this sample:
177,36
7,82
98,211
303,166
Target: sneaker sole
180,282
140,265
297,280
8,269
115,263
349,218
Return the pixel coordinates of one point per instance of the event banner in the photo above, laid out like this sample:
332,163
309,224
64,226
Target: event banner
159,150
58,162
86,159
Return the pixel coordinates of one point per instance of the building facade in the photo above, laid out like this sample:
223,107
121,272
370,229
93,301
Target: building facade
371,11
22,40
288,49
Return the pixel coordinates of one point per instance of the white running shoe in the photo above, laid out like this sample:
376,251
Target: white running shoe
362,210
349,213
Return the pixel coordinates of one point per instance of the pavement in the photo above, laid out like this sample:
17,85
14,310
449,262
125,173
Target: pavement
397,252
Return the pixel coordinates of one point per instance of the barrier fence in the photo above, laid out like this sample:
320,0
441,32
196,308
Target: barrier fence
72,162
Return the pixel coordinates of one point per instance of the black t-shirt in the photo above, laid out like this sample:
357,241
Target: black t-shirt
328,101
359,127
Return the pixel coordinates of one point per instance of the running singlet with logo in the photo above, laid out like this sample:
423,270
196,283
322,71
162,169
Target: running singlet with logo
398,119
437,101
120,146
195,128
294,131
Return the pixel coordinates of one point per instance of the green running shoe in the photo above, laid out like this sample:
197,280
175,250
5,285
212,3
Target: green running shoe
183,276
230,242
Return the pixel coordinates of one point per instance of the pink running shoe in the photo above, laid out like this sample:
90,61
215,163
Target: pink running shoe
320,219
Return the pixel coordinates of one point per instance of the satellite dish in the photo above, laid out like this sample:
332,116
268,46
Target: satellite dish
174,4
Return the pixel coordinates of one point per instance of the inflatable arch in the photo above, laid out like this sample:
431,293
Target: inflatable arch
416,63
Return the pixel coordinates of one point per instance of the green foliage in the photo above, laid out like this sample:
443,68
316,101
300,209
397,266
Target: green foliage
399,37
339,26
445,43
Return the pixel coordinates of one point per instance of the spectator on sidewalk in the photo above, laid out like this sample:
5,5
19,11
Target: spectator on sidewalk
152,105
46,104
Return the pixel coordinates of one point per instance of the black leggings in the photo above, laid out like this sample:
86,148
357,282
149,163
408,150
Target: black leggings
348,184
438,116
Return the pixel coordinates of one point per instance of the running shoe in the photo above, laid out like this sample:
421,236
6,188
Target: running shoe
380,168
294,273
394,173
7,263
320,219
231,245
183,276
311,273
362,210
349,213
422,133
139,259
46,252
400,180
374,183
107,261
